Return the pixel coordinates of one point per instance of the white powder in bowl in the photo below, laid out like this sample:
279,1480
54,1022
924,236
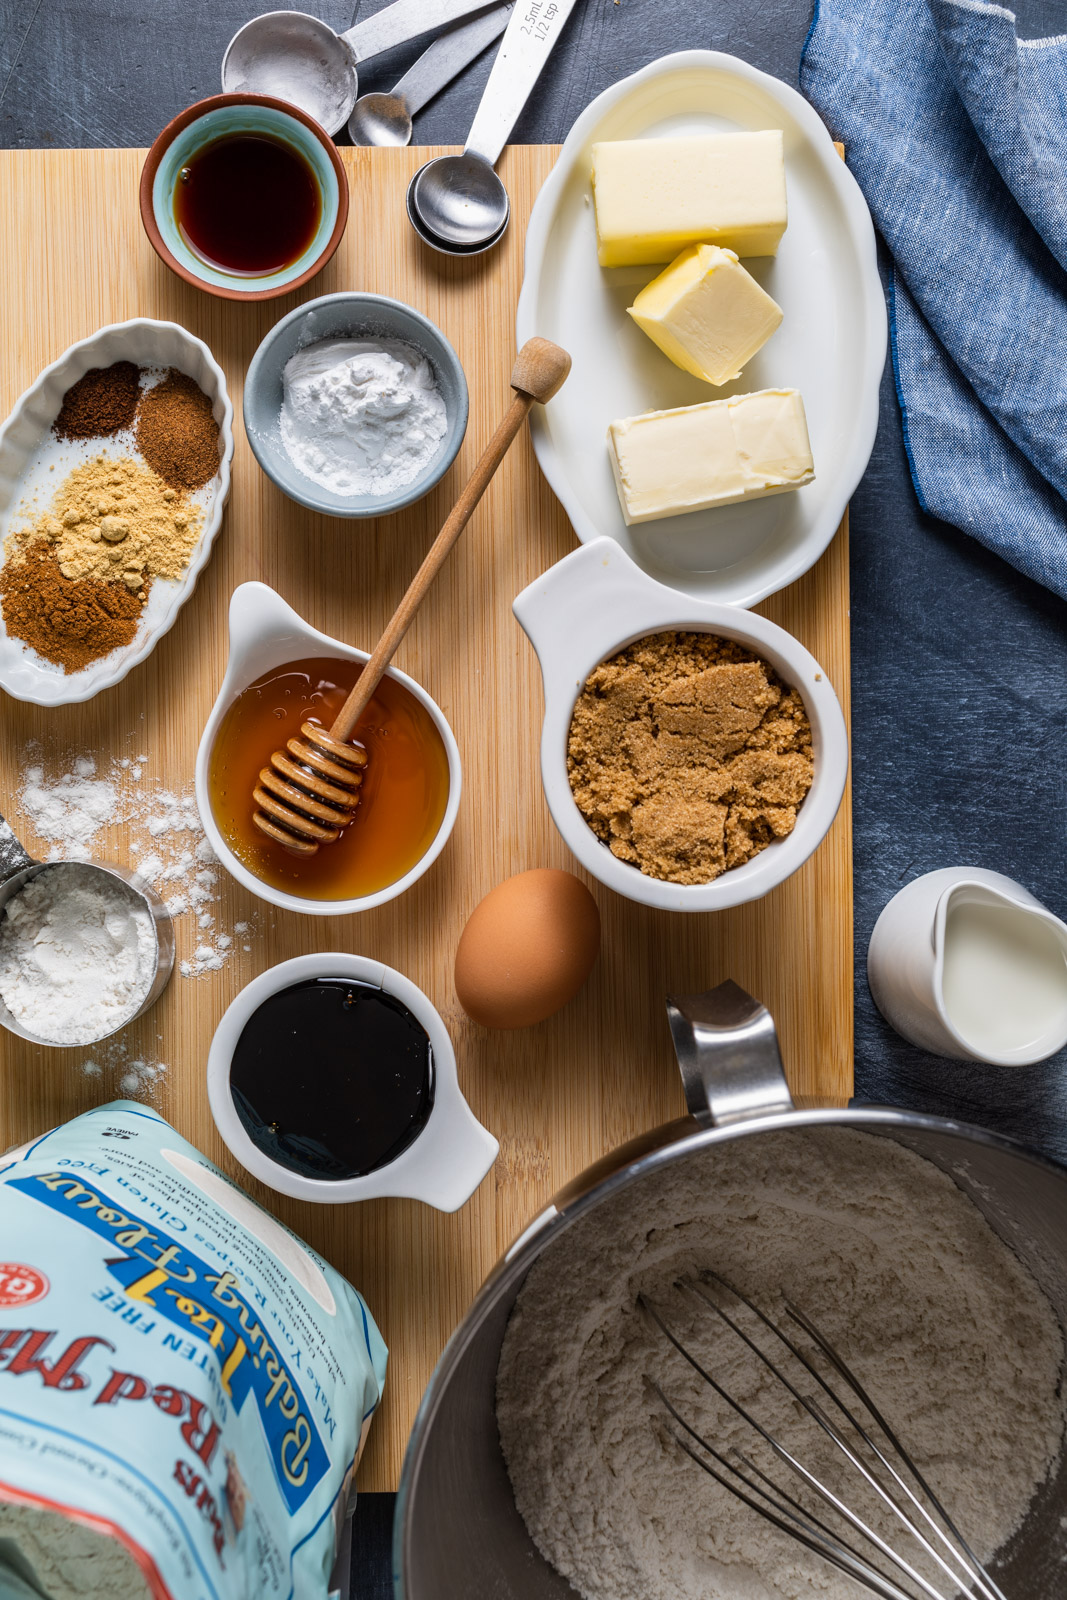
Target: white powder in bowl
77,954
939,1320
361,416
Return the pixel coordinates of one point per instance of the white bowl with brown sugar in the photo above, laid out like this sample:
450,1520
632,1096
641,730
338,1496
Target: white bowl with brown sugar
693,754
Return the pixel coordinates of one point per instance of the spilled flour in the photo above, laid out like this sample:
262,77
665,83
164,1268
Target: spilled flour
125,1072
63,814
947,1330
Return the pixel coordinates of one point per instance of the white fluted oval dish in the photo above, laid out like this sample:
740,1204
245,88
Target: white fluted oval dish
23,673
831,344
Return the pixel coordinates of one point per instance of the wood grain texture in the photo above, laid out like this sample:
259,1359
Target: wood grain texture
558,1095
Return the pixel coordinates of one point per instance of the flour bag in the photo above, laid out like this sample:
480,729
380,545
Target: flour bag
185,1387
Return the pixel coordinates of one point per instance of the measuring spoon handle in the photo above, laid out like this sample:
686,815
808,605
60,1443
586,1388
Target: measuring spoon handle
405,20
448,56
531,36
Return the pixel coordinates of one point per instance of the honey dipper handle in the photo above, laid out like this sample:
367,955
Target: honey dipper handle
539,370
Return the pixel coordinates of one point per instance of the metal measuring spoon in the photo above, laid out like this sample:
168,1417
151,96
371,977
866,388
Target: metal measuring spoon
385,118
18,868
457,204
291,56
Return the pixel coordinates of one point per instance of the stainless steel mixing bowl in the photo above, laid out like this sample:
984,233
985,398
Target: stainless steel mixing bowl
458,1531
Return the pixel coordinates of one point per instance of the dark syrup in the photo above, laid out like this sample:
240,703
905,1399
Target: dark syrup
332,1079
248,204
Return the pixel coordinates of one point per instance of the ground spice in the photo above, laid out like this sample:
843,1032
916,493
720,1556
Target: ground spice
101,403
70,622
176,433
116,521
688,755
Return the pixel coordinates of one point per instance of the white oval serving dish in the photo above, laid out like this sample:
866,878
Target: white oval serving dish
831,344
24,674
594,603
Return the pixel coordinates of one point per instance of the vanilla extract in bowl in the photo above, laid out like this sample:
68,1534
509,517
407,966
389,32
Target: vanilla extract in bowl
332,1078
248,204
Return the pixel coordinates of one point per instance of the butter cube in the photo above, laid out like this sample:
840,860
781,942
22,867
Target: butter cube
696,457
707,313
656,196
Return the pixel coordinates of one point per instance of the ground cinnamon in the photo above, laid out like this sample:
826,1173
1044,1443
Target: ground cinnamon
69,621
176,433
101,403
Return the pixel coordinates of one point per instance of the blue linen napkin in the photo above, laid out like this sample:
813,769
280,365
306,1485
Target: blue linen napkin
956,131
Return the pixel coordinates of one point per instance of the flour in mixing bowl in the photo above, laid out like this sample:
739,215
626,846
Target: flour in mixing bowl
941,1323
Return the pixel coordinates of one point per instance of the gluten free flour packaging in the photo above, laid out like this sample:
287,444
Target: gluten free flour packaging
937,1318
184,1386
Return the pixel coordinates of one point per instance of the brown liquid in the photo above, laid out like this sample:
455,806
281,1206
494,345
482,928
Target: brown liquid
403,795
248,204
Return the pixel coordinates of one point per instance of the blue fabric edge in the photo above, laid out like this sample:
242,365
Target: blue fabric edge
891,295
807,40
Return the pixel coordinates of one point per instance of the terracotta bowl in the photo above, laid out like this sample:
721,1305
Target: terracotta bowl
201,124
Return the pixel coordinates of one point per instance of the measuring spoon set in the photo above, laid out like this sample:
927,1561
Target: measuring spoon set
456,204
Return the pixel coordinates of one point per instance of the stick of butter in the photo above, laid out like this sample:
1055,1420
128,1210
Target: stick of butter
707,313
669,462
656,196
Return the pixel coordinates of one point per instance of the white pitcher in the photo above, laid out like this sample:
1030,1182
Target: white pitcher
967,963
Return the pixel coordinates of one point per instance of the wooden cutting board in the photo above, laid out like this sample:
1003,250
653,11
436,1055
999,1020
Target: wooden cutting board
557,1096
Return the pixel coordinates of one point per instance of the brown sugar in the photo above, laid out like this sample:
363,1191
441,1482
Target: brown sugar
177,434
101,403
688,755
71,621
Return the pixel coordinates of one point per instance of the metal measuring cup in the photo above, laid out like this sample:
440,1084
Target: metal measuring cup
18,868
294,57
457,204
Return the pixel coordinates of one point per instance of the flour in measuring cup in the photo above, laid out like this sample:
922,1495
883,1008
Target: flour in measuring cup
77,954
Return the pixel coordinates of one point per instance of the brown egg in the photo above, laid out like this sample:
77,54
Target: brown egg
527,948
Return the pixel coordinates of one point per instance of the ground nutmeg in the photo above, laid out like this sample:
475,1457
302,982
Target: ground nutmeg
176,433
101,403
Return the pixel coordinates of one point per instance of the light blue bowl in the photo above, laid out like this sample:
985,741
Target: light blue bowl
348,316
202,124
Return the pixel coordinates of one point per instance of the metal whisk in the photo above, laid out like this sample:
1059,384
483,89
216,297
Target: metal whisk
866,1442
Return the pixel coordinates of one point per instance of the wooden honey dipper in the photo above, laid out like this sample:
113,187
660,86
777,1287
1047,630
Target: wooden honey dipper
306,797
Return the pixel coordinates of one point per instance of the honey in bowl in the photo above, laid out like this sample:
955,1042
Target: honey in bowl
248,204
403,796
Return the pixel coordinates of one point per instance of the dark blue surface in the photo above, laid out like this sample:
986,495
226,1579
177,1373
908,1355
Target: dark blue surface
959,664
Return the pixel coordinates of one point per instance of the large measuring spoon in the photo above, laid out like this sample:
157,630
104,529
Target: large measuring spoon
385,118
457,204
291,56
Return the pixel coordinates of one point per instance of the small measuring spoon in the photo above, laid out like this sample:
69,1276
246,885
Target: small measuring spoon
294,57
380,119
457,204
17,868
